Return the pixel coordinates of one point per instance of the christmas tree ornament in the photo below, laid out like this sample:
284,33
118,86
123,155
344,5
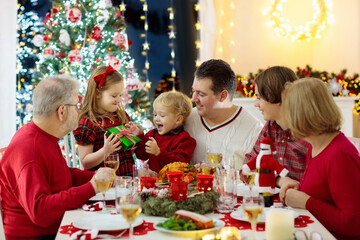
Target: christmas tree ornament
265,166
64,37
60,54
115,63
75,56
48,52
73,15
103,18
54,10
120,39
96,33
334,86
92,45
47,19
38,40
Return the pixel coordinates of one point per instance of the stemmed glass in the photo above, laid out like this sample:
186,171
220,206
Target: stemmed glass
249,179
130,208
253,207
103,183
112,161
214,158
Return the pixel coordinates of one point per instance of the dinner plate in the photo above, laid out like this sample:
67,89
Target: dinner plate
105,222
109,195
217,224
240,215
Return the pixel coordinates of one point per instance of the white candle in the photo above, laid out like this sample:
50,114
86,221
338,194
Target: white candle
279,225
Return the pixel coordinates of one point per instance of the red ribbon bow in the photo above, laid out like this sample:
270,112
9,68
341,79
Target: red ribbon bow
102,76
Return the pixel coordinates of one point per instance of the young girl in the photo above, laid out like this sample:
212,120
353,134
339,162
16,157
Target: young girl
169,142
101,110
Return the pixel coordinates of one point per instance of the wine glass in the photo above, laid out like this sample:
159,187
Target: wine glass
112,161
103,183
130,208
253,208
249,179
214,158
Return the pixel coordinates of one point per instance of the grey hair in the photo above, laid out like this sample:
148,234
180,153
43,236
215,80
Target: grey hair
52,92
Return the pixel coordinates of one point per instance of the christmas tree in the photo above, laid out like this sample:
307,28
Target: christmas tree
26,55
81,35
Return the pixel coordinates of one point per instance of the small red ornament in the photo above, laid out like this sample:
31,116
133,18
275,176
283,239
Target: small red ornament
75,56
96,33
120,39
118,14
60,54
73,15
49,52
54,11
129,42
115,63
46,19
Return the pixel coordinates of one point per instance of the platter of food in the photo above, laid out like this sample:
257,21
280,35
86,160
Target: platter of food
189,223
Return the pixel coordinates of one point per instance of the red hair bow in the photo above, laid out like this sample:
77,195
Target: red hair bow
102,76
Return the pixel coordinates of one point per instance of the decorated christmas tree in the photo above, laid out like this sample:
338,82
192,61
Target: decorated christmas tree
81,35
26,55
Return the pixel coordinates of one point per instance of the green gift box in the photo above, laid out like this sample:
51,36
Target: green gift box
128,139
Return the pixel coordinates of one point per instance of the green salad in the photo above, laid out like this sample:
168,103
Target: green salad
176,224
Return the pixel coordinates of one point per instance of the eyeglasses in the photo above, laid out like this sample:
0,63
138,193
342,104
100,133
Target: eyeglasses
78,105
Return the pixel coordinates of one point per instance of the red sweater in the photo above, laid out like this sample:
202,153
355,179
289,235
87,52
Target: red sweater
332,179
37,186
175,146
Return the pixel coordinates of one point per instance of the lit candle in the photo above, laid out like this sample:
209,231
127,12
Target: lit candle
279,225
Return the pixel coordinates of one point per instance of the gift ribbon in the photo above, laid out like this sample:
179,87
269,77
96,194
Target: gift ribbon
127,133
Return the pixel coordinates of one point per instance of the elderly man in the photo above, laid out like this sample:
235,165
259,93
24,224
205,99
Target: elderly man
216,123
37,186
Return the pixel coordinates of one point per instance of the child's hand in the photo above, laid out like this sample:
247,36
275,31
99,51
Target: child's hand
152,147
111,144
137,128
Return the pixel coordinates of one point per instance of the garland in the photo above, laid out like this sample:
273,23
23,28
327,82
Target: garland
312,29
340,84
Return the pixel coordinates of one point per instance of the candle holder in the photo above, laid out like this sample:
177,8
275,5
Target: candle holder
179,191
147,182
205,182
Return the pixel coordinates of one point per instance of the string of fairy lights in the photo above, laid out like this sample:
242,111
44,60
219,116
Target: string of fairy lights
146,44
172,36
322,17
197,28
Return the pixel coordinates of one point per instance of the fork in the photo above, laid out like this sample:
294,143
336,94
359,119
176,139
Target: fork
108,236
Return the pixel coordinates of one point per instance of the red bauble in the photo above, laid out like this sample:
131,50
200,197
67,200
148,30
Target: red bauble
120,39
54,10
129,42
75,56
49,52
118,14
96,33
60,54
73,15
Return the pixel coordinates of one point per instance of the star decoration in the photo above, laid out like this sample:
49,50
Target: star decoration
122,7
172,34
146,46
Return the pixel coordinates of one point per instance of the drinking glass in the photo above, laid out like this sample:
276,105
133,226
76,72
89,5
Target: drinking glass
123,187
103,183
253,208
214,158
130,208
112,161
249,180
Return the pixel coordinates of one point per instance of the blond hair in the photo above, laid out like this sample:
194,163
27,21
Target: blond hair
309,108
90,106
178,101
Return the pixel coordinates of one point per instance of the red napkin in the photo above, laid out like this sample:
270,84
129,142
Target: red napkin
84,235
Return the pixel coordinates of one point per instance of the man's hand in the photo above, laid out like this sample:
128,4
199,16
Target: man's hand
152,147
102,174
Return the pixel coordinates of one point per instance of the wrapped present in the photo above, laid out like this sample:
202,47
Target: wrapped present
127,138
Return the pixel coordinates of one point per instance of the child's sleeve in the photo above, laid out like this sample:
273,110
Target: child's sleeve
86,132
140,149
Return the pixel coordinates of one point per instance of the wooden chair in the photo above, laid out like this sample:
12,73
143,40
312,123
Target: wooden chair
71,152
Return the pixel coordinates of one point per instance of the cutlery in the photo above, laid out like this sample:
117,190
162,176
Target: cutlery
108,236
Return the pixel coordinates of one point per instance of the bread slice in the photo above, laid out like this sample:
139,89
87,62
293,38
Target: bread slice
201,221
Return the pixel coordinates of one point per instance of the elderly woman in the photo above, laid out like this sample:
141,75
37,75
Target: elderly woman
329,188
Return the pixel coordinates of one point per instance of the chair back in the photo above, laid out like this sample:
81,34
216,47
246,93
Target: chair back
71,151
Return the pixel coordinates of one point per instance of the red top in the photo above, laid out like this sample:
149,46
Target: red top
332,179
175,146
89,134
37,186
290,153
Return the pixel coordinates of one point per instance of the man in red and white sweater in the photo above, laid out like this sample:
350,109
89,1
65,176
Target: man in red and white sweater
36,185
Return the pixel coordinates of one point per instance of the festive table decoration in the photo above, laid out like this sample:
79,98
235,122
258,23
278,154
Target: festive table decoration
166,207
127,138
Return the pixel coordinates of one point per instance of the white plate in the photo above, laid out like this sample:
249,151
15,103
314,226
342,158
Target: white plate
240,215
217,224
109,195
105,222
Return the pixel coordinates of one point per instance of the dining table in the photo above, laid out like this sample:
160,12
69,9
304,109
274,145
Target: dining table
148,230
